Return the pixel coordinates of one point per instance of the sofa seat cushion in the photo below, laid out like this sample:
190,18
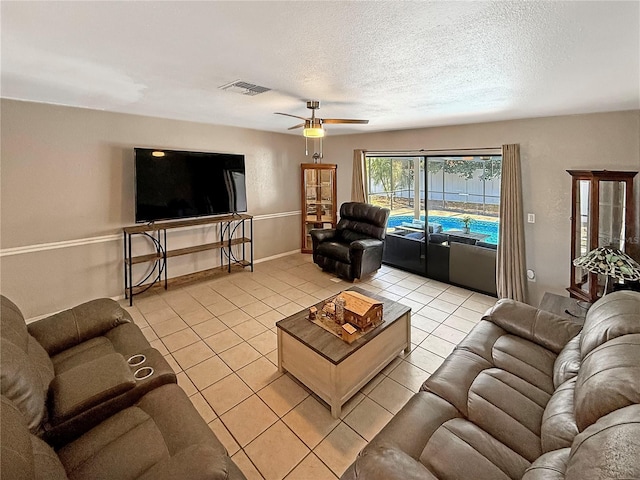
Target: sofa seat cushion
509,409
559,421
162,433
335,250
550,466
459,450
385,463
83,353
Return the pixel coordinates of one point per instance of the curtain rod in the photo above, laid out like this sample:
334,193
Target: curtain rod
421,151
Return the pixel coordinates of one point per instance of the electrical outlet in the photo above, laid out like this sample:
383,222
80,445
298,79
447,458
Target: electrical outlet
531,275
531,217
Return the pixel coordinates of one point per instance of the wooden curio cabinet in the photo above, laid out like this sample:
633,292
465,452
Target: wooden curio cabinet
602,214
318,200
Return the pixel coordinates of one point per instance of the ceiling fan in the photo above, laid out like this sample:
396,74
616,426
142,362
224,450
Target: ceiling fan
313,125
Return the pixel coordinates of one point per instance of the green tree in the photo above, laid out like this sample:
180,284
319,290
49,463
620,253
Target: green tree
392,174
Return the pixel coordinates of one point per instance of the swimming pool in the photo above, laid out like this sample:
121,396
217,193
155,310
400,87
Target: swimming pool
449,223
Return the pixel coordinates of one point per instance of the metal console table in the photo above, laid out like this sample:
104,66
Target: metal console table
232,233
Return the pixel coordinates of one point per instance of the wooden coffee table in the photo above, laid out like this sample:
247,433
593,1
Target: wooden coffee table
333,369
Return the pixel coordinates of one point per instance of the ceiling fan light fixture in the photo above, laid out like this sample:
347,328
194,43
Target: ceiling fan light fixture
313,132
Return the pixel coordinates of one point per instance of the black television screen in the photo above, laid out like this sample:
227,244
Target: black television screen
176,184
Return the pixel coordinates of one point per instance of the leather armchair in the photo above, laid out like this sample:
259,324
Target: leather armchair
354,248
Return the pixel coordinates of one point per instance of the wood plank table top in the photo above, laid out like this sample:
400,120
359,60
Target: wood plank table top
328,345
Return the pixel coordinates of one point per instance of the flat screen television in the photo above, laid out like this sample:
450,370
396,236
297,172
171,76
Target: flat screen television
173,184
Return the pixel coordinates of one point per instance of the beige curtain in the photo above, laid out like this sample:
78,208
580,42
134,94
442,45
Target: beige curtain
510,266
359,182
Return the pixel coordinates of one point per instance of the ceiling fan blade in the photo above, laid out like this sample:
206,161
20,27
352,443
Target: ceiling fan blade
289,115
296,126
344,120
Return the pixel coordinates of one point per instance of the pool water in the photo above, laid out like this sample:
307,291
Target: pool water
454,223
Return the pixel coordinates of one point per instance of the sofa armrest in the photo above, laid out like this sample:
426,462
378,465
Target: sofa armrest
88,385
323,234
538,326
78,324
366,243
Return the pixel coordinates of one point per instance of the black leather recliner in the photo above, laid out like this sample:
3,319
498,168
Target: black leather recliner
354,248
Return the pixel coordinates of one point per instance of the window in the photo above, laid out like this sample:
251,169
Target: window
460,193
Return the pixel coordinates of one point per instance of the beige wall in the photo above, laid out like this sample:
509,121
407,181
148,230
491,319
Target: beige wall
549,146
67,174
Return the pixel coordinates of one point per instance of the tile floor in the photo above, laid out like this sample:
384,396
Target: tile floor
220,338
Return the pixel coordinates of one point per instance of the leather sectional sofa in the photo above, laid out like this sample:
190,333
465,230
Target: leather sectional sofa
85,396
526,395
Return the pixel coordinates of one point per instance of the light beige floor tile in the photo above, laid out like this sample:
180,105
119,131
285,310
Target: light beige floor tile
275,301
186,384
424,359
149,304
272,357
262,292
373,383
244,464
223,341
428,289
249,329
248,420
469,314
340,448
170,326
433,314
409,375
391,296
418,335
459,323
293,294
443,305
289,309
180,339
282,395
461,292
309,287
390,395
227,440
275,463
209,327
451,298
256,308
175,366
208,372
479,307
438,346
352,403
323,294
450,334
266,342
311,421
270,318
378,283
239,356
159,316
424,323
225,289
226,393
193,354
368,418
149,334
196,316
234,317
158,345
204,409
486,299
241,299
413,305
419,297
311,468
221,307
259,374
306,301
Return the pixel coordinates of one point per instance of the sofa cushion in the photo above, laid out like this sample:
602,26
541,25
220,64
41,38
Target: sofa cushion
567,364
559,422
162,433
386,463
613,315
509,409
459,449
550,466
21,383
80,354
610,448
335,250
609,379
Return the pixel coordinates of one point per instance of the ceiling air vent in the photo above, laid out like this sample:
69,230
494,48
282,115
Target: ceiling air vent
244,88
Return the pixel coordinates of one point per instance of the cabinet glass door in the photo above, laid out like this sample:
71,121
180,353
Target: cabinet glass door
319,202
582,234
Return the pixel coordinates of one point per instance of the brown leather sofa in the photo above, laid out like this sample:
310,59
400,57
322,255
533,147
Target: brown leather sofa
526,395
354,248
77,382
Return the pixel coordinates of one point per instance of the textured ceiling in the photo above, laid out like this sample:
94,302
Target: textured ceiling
399,64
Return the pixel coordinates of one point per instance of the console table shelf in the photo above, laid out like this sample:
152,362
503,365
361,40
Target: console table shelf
232,231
